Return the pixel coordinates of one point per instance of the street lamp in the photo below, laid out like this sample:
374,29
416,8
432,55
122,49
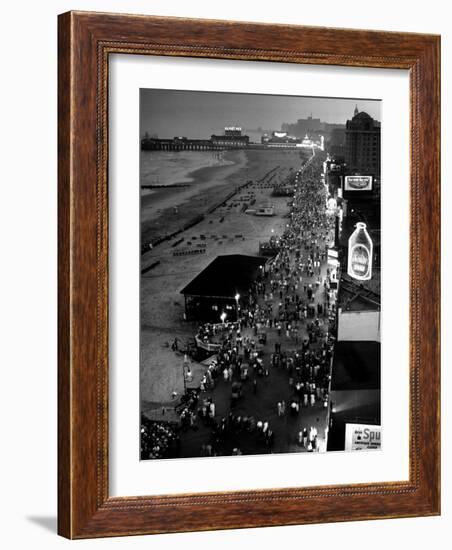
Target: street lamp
237,298
223,317
186,373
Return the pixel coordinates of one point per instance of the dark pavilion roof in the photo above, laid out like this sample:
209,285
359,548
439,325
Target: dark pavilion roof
226,276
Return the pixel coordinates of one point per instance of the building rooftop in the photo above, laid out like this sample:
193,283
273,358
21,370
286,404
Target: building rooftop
360,295
362,115
226,276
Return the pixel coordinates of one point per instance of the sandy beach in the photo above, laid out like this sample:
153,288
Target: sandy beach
204,185
207,187
227,230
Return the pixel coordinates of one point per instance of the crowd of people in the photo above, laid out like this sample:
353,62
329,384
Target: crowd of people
229,431
284,323
159,439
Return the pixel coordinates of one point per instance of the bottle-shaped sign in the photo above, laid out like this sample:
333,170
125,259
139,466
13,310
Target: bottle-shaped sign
360,252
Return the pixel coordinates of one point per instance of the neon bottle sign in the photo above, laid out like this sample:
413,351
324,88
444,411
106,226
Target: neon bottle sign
360,253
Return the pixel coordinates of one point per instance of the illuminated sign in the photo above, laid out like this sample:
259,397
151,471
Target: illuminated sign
333,253
331,205
360,437
359,265
360,251
358,183
333,256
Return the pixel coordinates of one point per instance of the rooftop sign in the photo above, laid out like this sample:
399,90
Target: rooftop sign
358,183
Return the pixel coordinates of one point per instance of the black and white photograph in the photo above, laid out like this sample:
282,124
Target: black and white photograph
260,267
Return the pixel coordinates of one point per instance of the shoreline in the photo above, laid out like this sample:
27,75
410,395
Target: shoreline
175,170
163,186
209,184
201,174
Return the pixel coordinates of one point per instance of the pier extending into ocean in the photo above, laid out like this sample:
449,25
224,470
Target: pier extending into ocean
213,144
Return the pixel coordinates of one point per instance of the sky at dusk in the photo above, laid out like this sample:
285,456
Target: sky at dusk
170,113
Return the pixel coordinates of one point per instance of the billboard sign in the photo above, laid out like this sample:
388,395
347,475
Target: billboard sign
359,437
360,252
358,183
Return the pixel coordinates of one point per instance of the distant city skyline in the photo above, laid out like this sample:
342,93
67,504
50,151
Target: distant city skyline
198,115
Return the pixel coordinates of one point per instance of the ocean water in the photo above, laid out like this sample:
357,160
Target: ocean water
166,168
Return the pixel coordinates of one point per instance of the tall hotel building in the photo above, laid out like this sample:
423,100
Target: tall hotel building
362,144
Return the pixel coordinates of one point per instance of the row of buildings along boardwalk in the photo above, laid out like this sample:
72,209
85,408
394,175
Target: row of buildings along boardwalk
232,138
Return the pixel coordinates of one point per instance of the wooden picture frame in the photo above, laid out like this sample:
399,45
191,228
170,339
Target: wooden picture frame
86,40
